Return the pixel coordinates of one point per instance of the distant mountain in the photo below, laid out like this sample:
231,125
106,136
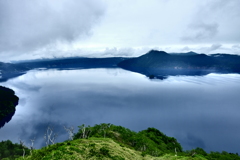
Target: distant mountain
73,63
154,64
11,70
159,64
185,54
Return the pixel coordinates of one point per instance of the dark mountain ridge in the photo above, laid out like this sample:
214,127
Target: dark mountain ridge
154,64
11,70
184,54
159,64
75,62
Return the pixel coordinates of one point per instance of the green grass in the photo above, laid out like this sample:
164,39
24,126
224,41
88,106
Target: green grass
93,149
123,144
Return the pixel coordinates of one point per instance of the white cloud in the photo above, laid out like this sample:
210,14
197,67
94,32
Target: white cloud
28,25
43,28
201,31
214,21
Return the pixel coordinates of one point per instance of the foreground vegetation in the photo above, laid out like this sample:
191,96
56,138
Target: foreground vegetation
96,148
107,141
10,151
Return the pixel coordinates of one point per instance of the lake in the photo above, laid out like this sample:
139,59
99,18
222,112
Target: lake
200,111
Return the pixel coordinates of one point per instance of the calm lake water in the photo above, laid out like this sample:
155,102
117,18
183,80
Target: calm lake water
198,111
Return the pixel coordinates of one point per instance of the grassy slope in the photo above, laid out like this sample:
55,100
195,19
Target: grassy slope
95,148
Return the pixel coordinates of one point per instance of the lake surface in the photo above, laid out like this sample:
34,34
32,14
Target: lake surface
198,111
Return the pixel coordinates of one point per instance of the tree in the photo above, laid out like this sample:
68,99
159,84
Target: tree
83,132
70,132
31,145
23,147
11,151
50,136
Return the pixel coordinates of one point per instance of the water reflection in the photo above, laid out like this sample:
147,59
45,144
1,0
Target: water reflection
198,111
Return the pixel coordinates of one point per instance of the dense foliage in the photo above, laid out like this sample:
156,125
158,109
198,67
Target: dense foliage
8,102
90,149
199,152
150,141
8,150
107,141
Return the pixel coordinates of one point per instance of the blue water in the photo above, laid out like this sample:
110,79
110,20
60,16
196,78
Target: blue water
198,111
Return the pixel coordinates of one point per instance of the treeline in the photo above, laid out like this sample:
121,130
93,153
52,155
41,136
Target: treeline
150,141
10,151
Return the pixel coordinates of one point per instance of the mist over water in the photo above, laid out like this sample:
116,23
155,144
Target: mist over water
198,111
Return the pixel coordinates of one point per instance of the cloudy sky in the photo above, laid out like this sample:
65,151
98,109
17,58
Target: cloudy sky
60,28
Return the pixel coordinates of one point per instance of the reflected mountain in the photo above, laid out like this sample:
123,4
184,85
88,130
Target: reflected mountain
154,64
11,70
160,65
73,63
8,102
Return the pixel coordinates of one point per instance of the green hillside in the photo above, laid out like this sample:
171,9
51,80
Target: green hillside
96,148
107,141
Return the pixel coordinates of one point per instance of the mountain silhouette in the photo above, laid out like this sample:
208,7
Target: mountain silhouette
159,64
11,70
154,64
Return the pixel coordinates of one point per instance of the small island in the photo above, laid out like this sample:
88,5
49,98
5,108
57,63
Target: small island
8,103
